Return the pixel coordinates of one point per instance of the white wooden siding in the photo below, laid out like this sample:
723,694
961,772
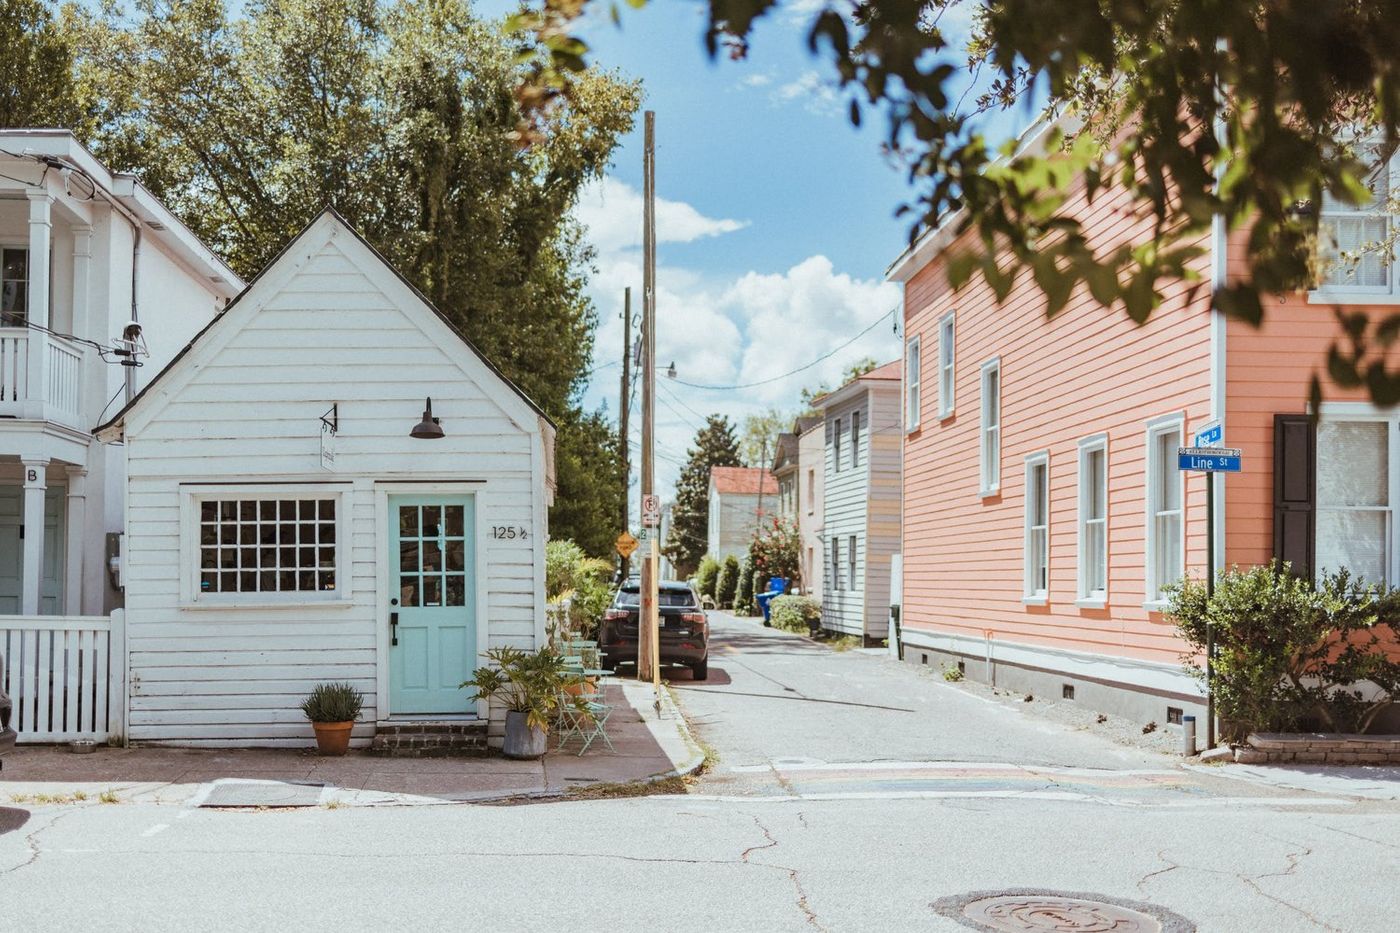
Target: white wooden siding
337,331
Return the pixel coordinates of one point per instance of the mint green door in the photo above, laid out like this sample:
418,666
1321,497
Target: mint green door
12,551
433,591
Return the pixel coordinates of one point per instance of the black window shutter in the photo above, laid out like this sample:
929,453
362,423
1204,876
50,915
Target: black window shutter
1295,491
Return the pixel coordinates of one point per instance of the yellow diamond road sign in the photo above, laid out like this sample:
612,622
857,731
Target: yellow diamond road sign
626,544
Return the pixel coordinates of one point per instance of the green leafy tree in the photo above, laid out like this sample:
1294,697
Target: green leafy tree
403,114
743,596
728,584
569,573
1246,111
715,445
759,436
777,552
37,86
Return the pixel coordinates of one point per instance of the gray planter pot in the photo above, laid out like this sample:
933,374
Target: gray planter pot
521,740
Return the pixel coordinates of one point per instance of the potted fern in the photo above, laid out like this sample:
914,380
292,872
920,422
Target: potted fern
531,686
333,709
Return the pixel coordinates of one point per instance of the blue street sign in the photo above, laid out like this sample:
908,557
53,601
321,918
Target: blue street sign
1209,459
1212,435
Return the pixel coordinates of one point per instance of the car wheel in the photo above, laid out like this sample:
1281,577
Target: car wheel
700,671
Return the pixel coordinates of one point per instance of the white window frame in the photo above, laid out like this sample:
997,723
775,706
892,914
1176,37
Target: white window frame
1154,601
1364,411
1389,293
836,440
811,490
947,361
1031,594
854,433
191,497
852,550
989,432
912,377
1087,598
836,563
27,280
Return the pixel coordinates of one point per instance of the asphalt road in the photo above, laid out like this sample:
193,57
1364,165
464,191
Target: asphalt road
849,794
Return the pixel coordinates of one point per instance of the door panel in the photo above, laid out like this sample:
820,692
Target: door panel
433,578
12,550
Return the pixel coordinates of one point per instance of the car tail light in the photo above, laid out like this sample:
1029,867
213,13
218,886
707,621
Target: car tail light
615,615
693,617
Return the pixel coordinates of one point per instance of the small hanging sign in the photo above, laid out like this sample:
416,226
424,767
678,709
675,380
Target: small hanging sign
330,423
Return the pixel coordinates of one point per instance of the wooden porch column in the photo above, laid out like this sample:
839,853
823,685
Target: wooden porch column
75,541
40,237
32,517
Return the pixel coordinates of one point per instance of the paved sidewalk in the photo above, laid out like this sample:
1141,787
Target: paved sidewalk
647,748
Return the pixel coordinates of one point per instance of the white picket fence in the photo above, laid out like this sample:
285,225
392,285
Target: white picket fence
66,676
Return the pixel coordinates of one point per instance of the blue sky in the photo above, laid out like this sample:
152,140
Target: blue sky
775,226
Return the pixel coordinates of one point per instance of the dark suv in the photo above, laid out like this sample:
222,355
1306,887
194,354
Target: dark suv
7,735
685,632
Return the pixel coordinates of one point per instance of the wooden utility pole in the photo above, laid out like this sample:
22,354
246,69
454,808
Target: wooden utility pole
647,643
622,417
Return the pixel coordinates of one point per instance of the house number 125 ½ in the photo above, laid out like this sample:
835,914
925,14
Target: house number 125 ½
508,532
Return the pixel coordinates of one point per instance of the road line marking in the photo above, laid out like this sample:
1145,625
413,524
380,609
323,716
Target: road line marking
1064,796
155,829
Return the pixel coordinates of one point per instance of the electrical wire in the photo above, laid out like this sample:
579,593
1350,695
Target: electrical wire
792,372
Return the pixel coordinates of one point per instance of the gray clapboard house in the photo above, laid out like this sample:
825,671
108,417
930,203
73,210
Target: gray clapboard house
861,501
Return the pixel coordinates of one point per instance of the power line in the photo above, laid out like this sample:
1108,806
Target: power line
792,372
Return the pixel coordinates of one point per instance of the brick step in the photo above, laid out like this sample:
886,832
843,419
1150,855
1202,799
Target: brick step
428,739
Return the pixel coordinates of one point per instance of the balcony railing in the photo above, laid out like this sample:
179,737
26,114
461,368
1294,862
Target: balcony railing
56,393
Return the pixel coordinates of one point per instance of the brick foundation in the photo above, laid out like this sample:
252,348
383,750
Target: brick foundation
1319,748
429,739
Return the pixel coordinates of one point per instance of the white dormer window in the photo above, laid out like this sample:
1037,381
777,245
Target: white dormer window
1352,238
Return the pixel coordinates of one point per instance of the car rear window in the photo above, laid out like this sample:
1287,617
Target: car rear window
670,599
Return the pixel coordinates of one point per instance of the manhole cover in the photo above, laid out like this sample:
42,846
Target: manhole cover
1024,911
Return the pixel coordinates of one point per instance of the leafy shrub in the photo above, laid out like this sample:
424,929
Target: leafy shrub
743,597
777,552
585,582
798,614
526,682
952,673
707,576
728,582
333,702
1290,655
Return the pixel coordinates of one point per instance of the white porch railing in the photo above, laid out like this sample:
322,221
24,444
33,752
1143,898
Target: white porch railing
66,676
59,374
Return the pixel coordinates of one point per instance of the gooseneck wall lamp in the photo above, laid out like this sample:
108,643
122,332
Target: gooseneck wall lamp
429,428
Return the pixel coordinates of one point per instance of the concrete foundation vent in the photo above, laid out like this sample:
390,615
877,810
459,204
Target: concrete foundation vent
1067,691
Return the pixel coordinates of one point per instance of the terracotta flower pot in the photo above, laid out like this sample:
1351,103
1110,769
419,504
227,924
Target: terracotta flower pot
332,738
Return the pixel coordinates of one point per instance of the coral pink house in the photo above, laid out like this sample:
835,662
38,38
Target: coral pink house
1043,510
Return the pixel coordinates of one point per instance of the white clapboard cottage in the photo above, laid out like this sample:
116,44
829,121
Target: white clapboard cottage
291,517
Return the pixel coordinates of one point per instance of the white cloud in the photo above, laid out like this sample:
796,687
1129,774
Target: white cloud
612,211
756,79
814,92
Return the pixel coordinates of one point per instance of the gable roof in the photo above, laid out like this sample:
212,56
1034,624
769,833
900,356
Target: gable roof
880,375
743,481
113,427
786,453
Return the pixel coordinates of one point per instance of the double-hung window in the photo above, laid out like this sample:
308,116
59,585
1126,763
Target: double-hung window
14,286
946,333
1165,514
851,562
836,440
1356,473
991,428
1093,520
1037,543
1353,238
836,563
911,384
811,491
265,545
855,438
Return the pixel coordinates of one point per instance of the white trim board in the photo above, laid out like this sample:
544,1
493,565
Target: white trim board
1129,673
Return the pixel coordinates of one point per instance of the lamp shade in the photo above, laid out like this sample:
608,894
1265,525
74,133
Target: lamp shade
428,428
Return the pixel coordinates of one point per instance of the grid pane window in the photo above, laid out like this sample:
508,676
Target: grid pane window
851,562
855,438
911,384
267,545
1353,498
1037,527
1093,521
14,287
432,555
1350,236
836,446
1164,511
836,563
991,427
946,332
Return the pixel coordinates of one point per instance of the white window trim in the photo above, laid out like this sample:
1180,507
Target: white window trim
1365,411
811,490
1152,600
986,488
1364,294
836,440
1029,595
28,279
913,384
852,548
1085,599
835,558
947,365
853,431
190,595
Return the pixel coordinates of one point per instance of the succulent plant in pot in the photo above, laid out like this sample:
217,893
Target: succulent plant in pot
531,686
333,709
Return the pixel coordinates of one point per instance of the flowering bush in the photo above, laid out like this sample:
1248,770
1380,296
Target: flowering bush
777,552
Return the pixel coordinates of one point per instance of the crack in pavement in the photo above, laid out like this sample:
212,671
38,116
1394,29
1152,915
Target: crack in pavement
1171,866
31,841
792,873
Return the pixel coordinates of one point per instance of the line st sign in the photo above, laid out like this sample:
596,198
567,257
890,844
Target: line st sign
1209,459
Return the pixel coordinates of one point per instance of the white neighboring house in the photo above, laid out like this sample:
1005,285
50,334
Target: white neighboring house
740,497
83,251
259,567
862,508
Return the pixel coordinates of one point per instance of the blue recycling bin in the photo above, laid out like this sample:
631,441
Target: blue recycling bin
777,586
